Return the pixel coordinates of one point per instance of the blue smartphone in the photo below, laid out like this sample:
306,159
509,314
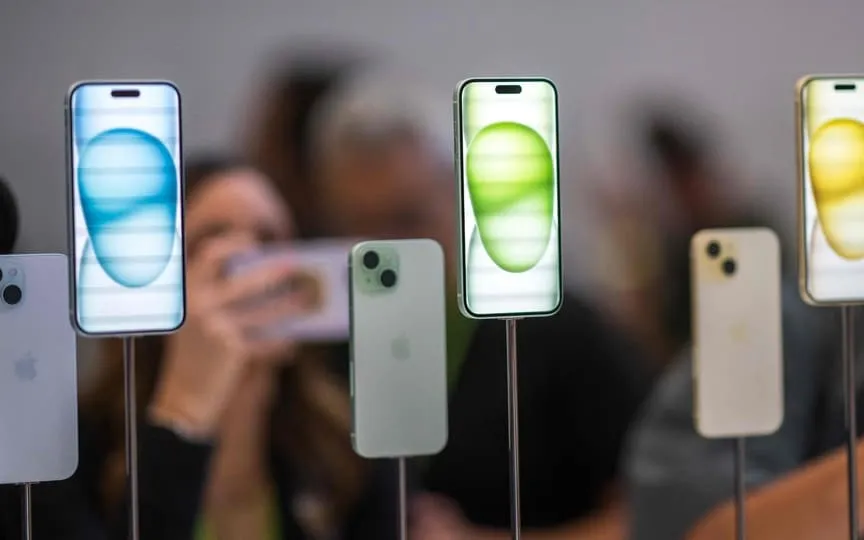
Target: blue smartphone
125,195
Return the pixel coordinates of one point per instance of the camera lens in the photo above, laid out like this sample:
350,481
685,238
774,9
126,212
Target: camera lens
12,294
713,249
371,260
729,267
388,278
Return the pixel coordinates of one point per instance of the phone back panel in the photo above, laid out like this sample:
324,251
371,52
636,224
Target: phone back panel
737,332
398,350
38,372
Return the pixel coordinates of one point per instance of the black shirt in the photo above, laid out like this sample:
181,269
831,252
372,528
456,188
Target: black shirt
580,386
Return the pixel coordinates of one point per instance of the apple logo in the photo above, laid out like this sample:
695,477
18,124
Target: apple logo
25,368
400,347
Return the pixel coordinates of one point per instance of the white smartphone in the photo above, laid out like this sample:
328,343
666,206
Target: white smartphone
737,332
830,124
322,282
398,348
38,371
508,185
125,197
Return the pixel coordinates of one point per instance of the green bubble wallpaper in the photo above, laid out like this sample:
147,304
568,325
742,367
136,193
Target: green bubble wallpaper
509,182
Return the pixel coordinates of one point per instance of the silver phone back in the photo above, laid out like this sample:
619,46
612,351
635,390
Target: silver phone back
398,350
737,333
38,372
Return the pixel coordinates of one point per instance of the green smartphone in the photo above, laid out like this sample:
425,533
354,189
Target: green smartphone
509,225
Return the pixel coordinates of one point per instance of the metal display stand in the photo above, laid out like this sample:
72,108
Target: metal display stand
27,512
847,316
740,489
131,402
403,499
513,429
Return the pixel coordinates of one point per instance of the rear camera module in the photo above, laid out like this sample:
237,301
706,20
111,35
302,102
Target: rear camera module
388,278
713,249
729,267
371,260
12,294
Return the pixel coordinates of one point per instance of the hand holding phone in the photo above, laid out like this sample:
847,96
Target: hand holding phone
319,283
207,358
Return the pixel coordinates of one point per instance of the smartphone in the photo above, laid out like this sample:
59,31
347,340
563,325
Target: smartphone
830,125
737,332
38,371
507,169
320,282
398,348
125,195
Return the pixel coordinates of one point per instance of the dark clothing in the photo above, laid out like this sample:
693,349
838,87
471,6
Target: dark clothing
579,388
675,476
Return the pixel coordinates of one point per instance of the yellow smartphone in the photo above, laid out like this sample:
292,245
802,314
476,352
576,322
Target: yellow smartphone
737,332
830,125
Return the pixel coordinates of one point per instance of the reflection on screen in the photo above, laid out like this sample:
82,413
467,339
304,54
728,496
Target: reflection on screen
833,170
128,248
510,197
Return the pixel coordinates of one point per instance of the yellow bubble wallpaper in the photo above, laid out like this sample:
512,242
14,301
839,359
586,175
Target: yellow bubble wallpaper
833,170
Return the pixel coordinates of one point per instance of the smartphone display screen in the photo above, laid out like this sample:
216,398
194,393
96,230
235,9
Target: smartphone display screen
832,152
507,137
127,212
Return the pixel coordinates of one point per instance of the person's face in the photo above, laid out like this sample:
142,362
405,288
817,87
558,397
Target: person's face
240,203
398,188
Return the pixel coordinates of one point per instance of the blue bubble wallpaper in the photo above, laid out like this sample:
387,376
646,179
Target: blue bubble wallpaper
126,176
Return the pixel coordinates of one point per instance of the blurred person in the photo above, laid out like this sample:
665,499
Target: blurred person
242,438
675,476
8,218
691,191
356,150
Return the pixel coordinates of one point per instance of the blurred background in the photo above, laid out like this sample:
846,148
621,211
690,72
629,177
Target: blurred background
736,61
675,114
739,60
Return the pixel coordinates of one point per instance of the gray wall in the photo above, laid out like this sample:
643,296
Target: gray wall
741,57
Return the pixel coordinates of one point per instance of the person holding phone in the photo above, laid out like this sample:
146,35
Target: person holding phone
242,437
363,155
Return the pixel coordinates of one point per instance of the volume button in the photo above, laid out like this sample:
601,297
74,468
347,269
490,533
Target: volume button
351,377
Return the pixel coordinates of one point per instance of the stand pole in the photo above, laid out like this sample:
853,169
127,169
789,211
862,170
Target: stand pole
131,400
740,490
27,517
403,500
848,328
513,429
